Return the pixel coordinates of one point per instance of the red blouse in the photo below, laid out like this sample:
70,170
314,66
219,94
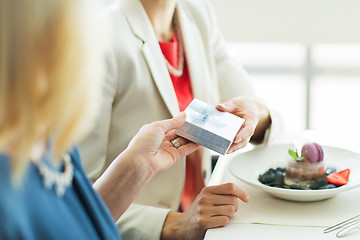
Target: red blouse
181,84
194,180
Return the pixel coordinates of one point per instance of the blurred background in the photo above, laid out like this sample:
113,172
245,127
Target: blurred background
304,57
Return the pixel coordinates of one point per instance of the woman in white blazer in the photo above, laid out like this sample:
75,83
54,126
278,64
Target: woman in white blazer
138,89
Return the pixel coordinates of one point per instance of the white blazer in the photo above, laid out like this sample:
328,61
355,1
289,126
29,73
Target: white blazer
138,90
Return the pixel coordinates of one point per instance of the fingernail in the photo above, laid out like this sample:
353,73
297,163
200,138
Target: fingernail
247,198
238,140
223,105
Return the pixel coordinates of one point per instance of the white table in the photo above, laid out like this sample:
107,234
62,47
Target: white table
266,217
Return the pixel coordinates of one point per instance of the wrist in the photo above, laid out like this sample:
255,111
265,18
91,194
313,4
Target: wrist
263,112
171,228
125,177
263,124
182,226
138,162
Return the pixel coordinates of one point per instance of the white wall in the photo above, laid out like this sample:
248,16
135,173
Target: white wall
307,21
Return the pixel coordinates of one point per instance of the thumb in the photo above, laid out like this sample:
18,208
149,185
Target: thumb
173,123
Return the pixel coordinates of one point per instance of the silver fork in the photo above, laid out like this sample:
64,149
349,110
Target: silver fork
354,224
348,229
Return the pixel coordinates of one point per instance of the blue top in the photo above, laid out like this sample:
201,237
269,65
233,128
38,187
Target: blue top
33,212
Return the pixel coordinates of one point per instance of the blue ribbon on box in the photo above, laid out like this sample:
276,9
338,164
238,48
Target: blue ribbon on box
201,115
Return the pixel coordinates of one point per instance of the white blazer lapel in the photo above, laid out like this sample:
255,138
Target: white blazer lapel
142,28
154,58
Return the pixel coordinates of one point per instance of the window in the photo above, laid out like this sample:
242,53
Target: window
312,88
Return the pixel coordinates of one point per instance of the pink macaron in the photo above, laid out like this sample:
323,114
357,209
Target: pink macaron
312,152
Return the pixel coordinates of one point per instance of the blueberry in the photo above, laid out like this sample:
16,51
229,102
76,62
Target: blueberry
319,183
278,181
328,186
295,186
268,177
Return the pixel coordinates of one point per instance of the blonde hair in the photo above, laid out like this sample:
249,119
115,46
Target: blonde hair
50,64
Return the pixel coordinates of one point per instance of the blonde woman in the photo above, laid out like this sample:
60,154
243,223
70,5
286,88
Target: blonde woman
49,69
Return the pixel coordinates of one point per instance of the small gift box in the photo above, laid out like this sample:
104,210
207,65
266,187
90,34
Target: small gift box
209,127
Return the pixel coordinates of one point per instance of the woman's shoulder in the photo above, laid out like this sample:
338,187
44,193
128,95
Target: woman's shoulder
5,177
75,156
11,207
34,211
77,162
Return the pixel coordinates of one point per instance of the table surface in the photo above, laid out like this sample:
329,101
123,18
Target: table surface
271,218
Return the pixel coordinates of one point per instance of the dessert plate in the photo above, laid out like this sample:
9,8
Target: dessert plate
249,165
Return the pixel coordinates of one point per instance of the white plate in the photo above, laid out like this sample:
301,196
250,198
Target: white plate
249,165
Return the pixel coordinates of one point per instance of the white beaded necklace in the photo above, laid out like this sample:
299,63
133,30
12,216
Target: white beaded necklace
173,71
51,177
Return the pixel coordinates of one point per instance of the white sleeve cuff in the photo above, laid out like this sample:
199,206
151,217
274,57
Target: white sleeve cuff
277,129
142,222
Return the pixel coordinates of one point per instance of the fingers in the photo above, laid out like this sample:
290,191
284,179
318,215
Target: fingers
220,210
186,147
172,136
229,189
245,109
236,146
173,123
213,207
223,107
178,146
217,204
213,222
246,131
218,200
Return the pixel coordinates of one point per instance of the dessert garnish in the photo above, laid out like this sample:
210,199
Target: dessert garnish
339,178
305,171
295,155
312,152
